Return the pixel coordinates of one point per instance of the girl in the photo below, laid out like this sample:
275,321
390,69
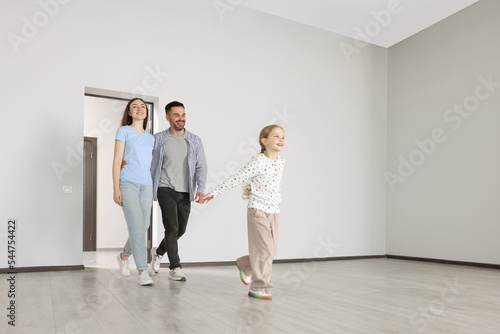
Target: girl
132,185
264,173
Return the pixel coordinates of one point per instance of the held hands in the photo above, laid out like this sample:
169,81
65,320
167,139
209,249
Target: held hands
203,199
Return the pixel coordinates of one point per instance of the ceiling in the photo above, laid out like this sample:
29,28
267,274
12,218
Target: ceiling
380,22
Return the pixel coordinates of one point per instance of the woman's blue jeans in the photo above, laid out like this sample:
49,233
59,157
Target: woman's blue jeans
137,200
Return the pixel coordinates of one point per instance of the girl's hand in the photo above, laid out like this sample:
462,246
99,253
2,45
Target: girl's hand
117,197
204,198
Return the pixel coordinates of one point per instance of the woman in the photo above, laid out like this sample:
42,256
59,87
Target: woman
132,185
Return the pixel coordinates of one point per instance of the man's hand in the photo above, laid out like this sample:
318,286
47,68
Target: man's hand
197,198
202,199
123,163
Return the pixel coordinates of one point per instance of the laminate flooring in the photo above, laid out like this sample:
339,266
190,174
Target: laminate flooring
351,296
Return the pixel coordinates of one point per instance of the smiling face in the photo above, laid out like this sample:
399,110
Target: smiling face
177,118
138,110
275,141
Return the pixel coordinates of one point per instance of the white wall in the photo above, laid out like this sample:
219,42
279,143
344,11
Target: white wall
235,76
447,206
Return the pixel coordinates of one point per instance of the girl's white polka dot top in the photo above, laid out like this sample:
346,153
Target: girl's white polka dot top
264,176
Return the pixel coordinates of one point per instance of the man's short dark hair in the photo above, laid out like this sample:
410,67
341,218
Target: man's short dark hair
172,104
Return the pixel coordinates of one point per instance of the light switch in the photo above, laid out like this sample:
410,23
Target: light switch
67,189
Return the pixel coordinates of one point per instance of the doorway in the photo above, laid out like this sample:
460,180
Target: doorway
89,193
103,110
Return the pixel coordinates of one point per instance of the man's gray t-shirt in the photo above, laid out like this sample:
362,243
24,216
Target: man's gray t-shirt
174,169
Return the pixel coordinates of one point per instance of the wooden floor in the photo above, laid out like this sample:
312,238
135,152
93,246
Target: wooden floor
352,296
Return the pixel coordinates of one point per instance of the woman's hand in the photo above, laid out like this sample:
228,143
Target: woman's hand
117,197
118,164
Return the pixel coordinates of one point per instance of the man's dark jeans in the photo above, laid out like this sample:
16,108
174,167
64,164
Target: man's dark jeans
175,208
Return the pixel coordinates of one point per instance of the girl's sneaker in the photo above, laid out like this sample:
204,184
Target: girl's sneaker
123,264
244,278
260,294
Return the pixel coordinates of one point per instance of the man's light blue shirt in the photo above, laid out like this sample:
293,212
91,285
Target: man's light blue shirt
197,163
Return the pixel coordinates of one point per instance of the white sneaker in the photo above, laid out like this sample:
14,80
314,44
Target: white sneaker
176,274
244,278
145,279
260,294
123,264
155,260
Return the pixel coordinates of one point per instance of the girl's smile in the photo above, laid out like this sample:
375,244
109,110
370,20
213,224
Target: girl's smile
275,141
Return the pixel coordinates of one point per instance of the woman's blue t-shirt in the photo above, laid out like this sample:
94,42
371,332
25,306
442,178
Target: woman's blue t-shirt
138,154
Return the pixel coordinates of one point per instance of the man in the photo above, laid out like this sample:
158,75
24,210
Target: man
179,172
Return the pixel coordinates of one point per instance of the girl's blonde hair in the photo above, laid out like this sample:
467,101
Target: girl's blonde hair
264,133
